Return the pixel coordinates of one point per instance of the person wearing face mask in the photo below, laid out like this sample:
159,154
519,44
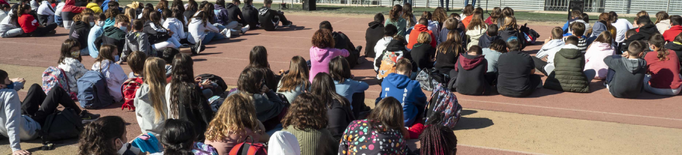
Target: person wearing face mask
106,136
113,72
70,62
95,33
80,31
21,120
113,35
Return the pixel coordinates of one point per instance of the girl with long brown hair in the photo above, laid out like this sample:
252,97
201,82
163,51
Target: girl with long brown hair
476,29
184,97
448,51
494,15
70,61
511,29
602,47
662,21
338,107
234,123
105,136
114,74
663,72
395,19
295,82
383,124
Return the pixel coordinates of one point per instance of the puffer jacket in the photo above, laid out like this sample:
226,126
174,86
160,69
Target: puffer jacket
74,70
568,73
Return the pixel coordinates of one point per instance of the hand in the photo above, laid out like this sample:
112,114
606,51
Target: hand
206,84
197,79
21,80
625,55
21,152
265,89
119,62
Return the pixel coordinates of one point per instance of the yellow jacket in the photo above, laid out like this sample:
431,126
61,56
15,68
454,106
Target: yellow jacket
94,7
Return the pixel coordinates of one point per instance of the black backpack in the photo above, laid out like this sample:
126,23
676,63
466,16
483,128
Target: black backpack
216,79
66,124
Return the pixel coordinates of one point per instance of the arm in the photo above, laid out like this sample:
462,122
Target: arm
13,115
117,73
342,52
212,28
343,143
337,121
144,45
361,87
241,17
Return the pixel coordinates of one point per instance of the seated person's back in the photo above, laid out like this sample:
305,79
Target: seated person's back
568,73
515,70
626,72
408,92
470,72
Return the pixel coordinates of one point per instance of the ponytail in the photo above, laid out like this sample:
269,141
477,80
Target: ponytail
658,41
394,14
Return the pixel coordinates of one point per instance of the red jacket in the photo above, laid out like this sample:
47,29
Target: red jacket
664,74
28,23
414,34
671,33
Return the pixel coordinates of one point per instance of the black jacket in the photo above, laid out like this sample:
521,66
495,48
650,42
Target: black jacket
189,14
627,76
514,77
266,16
234,14
341,41
374,33
677,48
422,55
339,118
154,35
509,32
446,62
470,75
568,74
485,40
80,31
645,32
250,14
112,36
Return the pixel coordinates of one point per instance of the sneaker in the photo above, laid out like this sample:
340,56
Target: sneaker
226,33
88,117
288,25
244,29
52,32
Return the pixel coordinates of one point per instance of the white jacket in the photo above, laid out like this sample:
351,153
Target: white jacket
58,9
379,48
115,77
177,27
663,25
475,34
196,30
45,9
74,70
144,110
12,124
3,14
6,24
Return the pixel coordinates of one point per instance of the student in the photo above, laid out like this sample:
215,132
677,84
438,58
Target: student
307,120
21,120
161,5
490,35
58,13
95,33
438,139
421,27
250,14
144,16
439,17
431,25
622,26
422,53
94,6
577,28
470,71
175,23
80,30
68,11
494,16
626,73
295,82
408,15
389,32
116,35
150,105
235,19
374,33
31,26
662,21
4,11
604,24
269,107
322,52
202,32
341,41
576,17
449,25
270,19
283,143
9,27
396,47
492,55
184,98
159,36
168,55
644,32
602,47
447,53
467,13
70,63
190,9
516,76
137,40
549,49
663,68
675,29
412,98
383,124
136,62
114,74
637,16
475,30
568,74
45,13
395,20
131,13
179,137
548,67
106,135
258,58
340,72
339,109
111,14
510,29
234,123
676,46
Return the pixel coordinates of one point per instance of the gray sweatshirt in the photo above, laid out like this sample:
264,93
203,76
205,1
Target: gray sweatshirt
12,123
627,80
144,110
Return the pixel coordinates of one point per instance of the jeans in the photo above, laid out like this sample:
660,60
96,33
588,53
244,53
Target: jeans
660,91
38,105
58,20
473,3
447,4
85,51
210,36
590,74
12,33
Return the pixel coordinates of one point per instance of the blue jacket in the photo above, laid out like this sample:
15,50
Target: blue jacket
407,91
95,32
350,87
109,22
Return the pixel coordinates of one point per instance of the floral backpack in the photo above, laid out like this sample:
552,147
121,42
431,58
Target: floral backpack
55,77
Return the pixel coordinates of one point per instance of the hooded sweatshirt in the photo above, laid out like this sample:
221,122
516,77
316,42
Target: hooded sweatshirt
568,73
645,32
176,26
268,105
663,26
374,33
320,57
475,35
266,17
112,36
677,47
671,33
470,74
28,23
486,40
115,76
144,108
414,34
234,14
197,30
80,31
221,14
13,124
95,32
511,32
70,9
379,48
407,91
594,58
628,75
45,9
598,28
283,143
137,41
664,74
7,24
549,49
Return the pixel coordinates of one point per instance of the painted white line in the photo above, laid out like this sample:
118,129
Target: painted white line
498,149
342,20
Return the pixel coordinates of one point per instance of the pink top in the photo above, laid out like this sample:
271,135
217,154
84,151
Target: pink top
320,57
224,146
594,58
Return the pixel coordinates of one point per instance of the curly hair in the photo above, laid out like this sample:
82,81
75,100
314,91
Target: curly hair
307,112
98,136
323,39
237,113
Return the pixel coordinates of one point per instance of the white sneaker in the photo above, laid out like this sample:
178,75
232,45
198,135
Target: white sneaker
228,34
245,28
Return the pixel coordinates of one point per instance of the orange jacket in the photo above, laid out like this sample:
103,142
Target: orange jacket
414,34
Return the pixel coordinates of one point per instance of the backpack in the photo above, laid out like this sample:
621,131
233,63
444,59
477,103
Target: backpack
443,104
129,89
92,91
429,78
55,77
204,149
249,148
217,80
388,64
61,125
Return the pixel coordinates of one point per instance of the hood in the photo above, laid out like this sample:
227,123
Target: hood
421,28
230,5
69,6
262,11
569,52
649,29
599,46
217,7
397,80
675,46
374,24
114,32
135,35
633,65
80,25
469,62
666,22
553,44
489,38
509,32
396,45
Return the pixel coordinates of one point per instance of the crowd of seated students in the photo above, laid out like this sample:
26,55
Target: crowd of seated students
318,107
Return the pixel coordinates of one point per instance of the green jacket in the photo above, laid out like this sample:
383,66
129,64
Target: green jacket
400,23
314,142
568,72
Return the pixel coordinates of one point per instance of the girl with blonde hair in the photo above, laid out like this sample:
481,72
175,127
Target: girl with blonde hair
150,102
234,123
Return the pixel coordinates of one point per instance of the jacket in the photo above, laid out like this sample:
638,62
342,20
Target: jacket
400,23
105,5
663,26
95,34
491,56
74,70
268,105
470,78
594,59
374,33
144,109
95,8
115,77
250,14
8,24
13,124
45,9
196,30
484,41
671,33
349,87
510,32
598,28
567,29
4,14
28,23
320,57
677,47
414,34
339,117
137,41
549,49
177,27
314,141
266,18
112,36
80,31
628,76
70,9
224,146
645,32
234,14
475,35
379,49
422,55
156,33
407,91
568,73
664,74
291,94
221,14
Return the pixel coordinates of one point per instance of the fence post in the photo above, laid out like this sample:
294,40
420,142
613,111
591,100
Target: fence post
667,8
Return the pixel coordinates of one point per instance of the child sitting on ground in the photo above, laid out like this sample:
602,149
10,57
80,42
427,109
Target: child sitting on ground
114,74
115,35
136,62
137,41
80,31
626,72
663,74
568,74
470,69
549,49
595,68
70,63
516,76
579,28
95,32
408,92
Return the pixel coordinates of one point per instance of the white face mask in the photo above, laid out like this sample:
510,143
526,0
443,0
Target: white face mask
92,24
123,28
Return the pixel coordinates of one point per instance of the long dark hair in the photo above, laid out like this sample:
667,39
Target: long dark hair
323,86
178,14
298,75
182,83
146,12
105,53
208,11
163,4
437,139
192,5
388,113
339,69
155,17
258,57
112,13
66,50
98,136
250,80
178,137
178,4
453,43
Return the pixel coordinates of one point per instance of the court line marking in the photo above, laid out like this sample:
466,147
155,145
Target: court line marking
498,149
